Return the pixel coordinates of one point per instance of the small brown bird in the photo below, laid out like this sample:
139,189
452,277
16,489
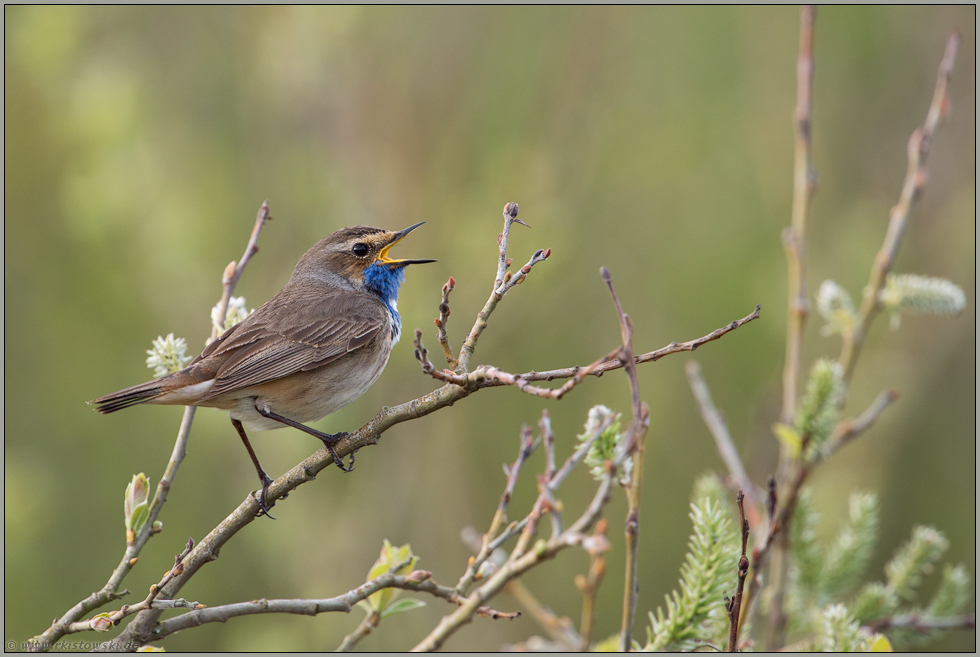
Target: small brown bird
313,348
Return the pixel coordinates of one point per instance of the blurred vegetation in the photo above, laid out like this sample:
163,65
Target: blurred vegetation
139,143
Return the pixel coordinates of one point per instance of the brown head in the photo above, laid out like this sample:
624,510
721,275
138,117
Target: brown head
359,257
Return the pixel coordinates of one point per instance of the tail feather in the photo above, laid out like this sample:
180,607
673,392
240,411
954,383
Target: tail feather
129,397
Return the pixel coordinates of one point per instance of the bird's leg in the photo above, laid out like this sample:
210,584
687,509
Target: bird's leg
263,477
328,440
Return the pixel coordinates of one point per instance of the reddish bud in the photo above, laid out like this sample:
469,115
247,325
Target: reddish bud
452,282
547,253
921,177
509,261
437,322
101,623
945,107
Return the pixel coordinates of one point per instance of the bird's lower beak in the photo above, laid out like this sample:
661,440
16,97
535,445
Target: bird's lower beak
397,237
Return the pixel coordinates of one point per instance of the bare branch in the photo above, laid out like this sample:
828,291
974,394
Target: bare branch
723,439
104,621
501,284
526,449
589,586
794,237
366,626
418,580
848,430
794,241
558,627
519,564
442,321
648,357
234,272
923,623
916,177
734,605
634,446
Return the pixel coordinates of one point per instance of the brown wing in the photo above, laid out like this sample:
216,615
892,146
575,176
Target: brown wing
297,330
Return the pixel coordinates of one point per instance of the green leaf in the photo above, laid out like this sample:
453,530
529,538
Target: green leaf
709,571
881,644
405,604
789,437
140,514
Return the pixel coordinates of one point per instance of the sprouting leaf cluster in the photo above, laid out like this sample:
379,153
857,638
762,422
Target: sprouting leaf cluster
825,598
696,613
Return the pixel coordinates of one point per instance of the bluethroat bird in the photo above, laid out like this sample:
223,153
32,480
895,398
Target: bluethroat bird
313,348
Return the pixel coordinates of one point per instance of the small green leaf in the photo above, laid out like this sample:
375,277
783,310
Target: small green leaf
405,604
881,644
789,437
140,514
390,557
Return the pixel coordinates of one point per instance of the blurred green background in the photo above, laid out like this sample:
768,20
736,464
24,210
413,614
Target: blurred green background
139,143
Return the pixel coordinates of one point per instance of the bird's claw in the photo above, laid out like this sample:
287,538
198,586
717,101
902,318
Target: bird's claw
262,496
328,442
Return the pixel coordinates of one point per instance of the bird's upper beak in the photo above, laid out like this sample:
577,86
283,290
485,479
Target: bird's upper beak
395,238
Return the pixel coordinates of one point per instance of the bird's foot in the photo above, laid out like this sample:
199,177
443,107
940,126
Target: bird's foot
329,440
263,495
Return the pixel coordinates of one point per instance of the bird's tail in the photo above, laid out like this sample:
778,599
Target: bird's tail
129,397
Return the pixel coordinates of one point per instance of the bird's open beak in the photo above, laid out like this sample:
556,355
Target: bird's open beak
397,237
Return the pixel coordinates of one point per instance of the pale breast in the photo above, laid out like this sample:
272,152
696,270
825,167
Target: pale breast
308,396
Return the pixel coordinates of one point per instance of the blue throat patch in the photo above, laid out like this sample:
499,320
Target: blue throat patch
384,281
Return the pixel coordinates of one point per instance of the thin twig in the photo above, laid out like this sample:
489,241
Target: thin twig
794,240
589,586
794,237
848,430
558,627
518,565
501,284
735,604
104,621
547,489
517,380
649,357
526,449
366,626
923,623
723,439
419,581
442,322
916,177
634,445
233,271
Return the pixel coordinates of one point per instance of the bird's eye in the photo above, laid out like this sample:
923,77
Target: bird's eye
360,249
